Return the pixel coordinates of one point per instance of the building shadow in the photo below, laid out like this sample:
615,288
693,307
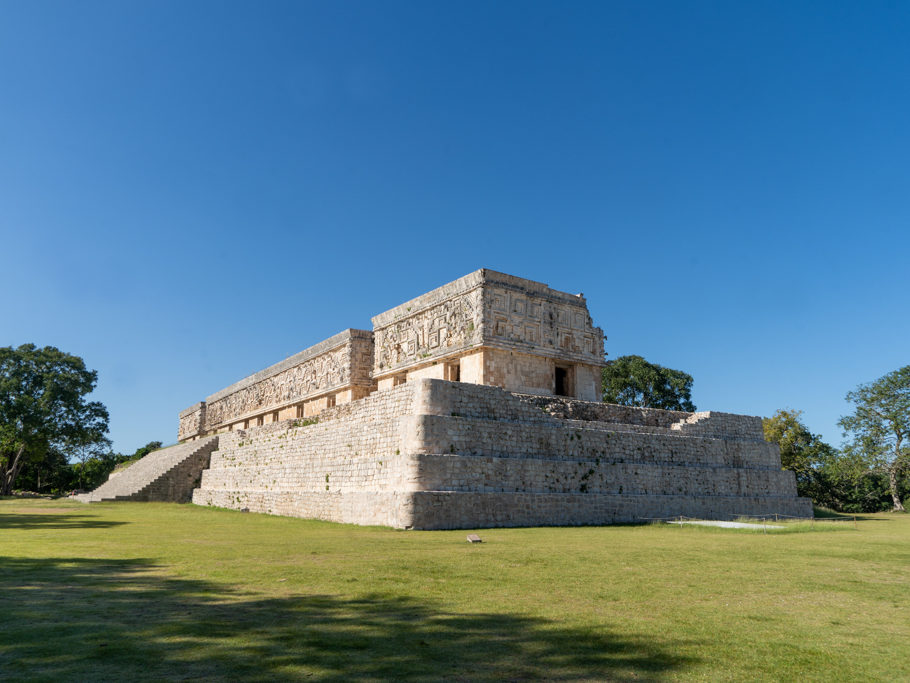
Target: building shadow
39,520
115,619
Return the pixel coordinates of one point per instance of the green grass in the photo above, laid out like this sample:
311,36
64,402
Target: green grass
145,591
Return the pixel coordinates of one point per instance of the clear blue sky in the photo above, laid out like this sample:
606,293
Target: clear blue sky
191,191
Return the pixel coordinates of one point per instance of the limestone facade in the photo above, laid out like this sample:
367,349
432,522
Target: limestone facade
474,405
484,328
332,372
495,329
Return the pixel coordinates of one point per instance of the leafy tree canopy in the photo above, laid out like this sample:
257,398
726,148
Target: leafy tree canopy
801,451
880,425
43,407
143,451
633,381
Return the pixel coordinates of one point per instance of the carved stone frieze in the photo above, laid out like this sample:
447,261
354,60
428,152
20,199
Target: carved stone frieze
192,422
328,371
532,322
440,330
452,323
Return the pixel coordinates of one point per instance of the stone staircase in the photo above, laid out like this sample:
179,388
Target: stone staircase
168,475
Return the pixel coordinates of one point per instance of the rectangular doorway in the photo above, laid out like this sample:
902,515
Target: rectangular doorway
561,385
453,371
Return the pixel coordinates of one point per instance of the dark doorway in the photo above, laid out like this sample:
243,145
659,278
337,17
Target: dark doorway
453,371
562,381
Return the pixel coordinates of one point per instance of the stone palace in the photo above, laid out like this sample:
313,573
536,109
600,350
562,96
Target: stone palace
473,405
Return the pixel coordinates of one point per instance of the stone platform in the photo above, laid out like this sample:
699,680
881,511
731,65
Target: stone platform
433,454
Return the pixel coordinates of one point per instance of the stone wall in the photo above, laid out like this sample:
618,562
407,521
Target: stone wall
457,510
335,370
444,444
436,454
529,317
569,409
526,373
484,328
706,423
353,464
437,324
192,422
522,329
519,371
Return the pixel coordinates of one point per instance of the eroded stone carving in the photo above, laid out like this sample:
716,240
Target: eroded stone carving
192,422
314,376
458,331
535,323
437,331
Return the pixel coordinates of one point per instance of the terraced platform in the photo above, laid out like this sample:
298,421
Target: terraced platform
433,454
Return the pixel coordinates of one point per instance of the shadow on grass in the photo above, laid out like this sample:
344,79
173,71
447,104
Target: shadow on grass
116,619
827,513
39,520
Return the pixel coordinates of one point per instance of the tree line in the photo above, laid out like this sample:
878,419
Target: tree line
871,471
53,440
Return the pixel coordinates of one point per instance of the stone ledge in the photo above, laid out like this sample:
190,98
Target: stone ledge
192,409
322,347
467,283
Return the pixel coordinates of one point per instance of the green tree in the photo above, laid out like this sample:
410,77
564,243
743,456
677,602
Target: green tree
43,407
633,381
94,471
143,451
880,425
91,458
801,452
849,482
50,474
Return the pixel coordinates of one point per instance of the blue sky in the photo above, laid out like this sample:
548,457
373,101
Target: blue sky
191,191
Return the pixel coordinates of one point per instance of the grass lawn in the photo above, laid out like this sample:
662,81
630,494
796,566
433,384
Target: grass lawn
147,591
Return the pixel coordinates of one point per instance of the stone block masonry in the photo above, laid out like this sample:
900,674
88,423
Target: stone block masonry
334,371
492,328
432,454
168,475
352,464
484,328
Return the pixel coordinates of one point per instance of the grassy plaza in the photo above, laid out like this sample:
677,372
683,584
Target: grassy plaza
119,591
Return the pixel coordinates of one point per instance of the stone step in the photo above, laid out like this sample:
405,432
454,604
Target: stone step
168,474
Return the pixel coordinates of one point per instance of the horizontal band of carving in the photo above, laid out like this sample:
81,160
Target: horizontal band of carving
471,281
316,350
